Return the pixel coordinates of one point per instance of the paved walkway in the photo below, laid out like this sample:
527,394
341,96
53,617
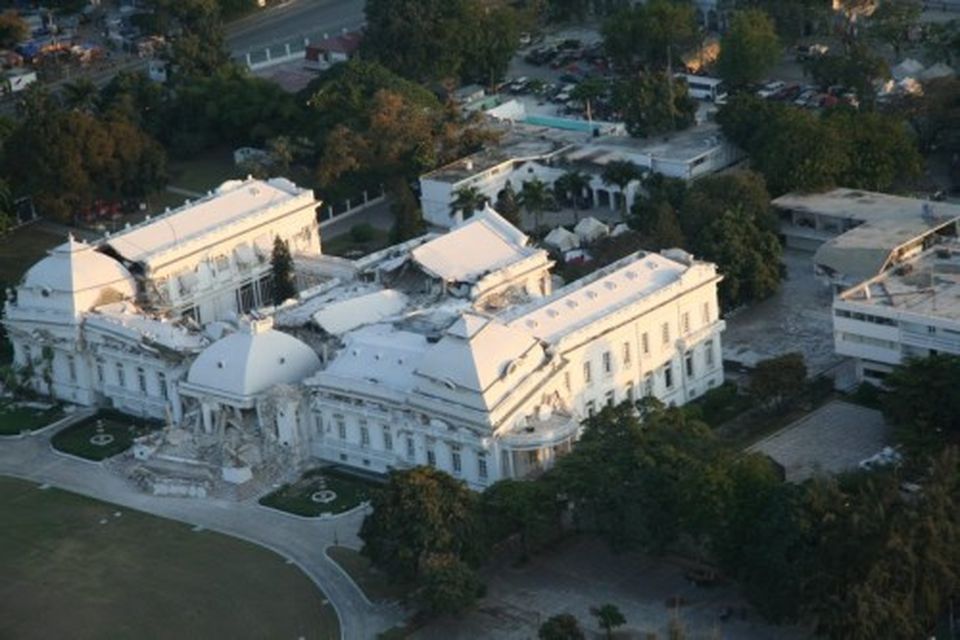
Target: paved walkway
299,540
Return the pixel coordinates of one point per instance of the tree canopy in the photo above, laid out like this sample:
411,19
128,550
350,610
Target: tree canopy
797,150
749,49
431,40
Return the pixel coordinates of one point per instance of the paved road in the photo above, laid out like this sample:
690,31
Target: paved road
293,21
299,540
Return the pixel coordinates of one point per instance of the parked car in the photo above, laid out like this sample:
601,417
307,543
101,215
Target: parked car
788,93
807,51
770,89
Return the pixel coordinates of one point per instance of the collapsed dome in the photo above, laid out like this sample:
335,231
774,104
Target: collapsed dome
251,361
76,278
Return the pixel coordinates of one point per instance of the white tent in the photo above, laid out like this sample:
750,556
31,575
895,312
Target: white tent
562,240
906,69
620,229
939,70
589,229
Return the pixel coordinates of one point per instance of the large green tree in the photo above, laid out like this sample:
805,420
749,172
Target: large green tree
421,512
433,40
892,22
447,584
281,267
749,49
76,157
653,103
746,255
650,35
921,402
13,29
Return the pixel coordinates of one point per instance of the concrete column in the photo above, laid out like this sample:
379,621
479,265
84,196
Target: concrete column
365,197
330,213
267,51
348,206
249,60
287,47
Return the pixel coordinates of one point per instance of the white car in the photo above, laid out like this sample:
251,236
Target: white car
770,89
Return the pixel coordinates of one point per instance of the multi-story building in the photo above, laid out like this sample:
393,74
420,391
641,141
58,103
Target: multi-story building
911,310
449,350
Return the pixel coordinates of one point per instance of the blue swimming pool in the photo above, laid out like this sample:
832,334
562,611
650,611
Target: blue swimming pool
561,123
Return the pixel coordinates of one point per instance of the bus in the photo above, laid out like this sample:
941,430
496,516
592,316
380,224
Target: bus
704,88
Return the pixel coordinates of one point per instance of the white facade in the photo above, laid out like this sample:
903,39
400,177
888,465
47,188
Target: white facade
98,325
450,350
909,311
687,155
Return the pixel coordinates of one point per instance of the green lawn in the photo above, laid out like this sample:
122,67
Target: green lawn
15,419
75,439
204,172
71,569
345,245
23,247
296,497
372,582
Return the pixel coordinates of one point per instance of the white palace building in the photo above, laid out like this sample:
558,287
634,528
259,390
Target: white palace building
452,350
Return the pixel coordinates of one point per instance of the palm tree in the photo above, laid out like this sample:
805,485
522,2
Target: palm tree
571,185
81,95
467,200
535,197
620,173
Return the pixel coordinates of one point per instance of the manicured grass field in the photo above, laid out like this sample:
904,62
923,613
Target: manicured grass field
373,583
206,171
296,498
22,248
76,439
72,569
15,419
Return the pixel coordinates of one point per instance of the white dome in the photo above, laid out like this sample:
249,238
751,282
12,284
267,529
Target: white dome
251,361
75,277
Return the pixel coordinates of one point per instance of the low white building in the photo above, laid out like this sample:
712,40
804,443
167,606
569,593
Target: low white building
449,350
547,155
911,310
857,235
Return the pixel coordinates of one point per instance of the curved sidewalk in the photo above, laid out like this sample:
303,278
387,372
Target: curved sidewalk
301,541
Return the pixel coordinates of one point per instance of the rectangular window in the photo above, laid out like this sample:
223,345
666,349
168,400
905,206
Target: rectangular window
455,459
162,383
100,375
665,333
610,398
685,322
364,437
27,355
142,380
708,352
411,452
387,439
566,380
626,354
245,299
482,465
688,363
121,375
607,362
668,376
645,343
587,377
431,458
706,313
648,384
591,408
629,394
72,368
341,430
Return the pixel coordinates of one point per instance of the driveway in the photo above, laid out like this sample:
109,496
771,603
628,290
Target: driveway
299,540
